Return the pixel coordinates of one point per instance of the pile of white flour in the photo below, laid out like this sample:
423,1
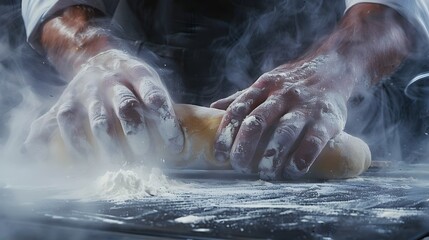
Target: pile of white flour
131,184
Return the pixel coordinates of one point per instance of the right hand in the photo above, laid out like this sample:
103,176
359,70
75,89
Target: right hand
108,105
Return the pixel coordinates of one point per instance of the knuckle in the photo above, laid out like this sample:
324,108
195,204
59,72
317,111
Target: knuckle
155,98
90,89
295,93
274,76
254,123
252,92
66,113
264,80
291,116
112,78
249,94
287,131
238,109
320,131
123,94
326,107
333,114
142,70
127,107
99,123
274,103
128,102
315,142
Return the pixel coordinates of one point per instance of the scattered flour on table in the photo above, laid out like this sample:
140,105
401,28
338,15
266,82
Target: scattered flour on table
396,213
194,219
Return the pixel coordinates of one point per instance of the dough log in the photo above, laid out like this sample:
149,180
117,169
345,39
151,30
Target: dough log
344,156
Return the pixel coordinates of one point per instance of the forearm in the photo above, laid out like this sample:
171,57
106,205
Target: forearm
72,37
370,42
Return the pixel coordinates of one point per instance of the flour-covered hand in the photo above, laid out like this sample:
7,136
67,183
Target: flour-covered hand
281,123
108,104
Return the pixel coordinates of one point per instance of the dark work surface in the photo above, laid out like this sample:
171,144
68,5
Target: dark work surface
383,204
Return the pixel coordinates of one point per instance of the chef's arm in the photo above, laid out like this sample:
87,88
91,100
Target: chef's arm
73,36
306,99
110,90
372,39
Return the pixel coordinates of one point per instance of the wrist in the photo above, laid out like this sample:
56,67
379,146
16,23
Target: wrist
72,37
324,71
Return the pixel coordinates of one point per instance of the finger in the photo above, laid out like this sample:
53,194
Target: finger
102,127
306,152
40,133
158,103
259,122
130,114
283,141
225,102
72,123
232,119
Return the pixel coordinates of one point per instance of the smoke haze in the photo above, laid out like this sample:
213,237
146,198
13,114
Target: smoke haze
29,85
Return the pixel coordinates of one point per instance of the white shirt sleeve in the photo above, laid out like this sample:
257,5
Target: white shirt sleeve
415,11
34,12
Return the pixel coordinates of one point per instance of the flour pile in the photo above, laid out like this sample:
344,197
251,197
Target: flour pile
131,184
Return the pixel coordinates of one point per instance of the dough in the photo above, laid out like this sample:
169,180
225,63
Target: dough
344,156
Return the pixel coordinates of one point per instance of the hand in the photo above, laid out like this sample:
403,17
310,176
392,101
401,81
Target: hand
109,103
288,114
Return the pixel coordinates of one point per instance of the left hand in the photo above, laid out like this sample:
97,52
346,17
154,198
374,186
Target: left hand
296,108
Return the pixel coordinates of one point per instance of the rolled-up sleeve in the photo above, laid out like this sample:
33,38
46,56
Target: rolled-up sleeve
415,11
35,12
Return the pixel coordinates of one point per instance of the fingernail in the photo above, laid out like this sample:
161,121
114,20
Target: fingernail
266,171
294,170
300,164
239,163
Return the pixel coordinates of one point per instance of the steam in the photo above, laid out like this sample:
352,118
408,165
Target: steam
392,124
278,31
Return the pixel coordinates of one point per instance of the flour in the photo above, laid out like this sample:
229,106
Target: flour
240,107
307,68
226,136
289,116
169,129
396,213
194,219
132,184
251,120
